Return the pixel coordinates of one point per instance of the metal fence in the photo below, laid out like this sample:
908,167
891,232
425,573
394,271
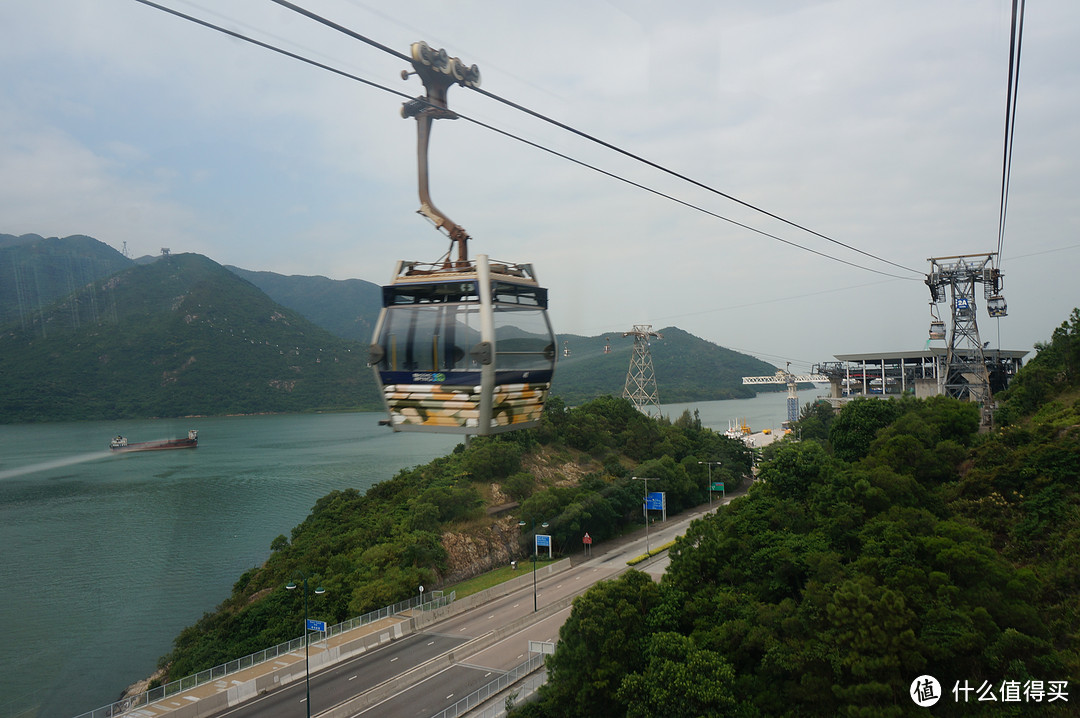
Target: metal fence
436,600
523,693
484,693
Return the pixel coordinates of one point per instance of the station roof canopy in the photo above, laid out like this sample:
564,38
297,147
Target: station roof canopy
1015,354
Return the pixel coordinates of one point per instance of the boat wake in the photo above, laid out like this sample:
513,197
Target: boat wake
54,464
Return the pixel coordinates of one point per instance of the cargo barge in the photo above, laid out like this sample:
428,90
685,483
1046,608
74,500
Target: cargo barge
121,444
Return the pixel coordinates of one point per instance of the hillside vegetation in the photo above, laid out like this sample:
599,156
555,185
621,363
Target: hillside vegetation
36,271
176,337
371,549
901,543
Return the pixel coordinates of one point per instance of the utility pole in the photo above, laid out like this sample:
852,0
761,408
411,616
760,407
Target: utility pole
645,506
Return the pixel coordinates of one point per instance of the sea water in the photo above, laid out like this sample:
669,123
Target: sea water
107,557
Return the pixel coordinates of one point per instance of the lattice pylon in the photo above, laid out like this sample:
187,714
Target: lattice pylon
965,375
640,387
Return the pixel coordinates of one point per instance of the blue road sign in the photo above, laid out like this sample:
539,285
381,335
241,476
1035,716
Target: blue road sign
655,501
543,540
313,625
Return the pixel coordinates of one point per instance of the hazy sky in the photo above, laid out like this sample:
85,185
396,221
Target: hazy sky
878,124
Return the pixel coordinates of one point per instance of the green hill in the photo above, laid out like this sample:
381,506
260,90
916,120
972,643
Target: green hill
346,307
180,336
687,368
36,271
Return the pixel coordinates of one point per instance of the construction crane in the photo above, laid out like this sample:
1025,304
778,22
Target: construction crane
965,375
784,376
640,386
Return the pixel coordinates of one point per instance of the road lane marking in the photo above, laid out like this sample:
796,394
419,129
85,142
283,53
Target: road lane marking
397,657
351,677
432,643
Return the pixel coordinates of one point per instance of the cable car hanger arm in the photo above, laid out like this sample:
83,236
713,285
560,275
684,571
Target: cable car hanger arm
438,72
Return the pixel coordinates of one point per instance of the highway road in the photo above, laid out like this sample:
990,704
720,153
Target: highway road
442,690
469,670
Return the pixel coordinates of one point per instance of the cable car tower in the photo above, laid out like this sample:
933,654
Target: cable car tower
640,386
965,375
461,346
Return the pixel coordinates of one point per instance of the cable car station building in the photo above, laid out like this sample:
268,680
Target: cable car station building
919,373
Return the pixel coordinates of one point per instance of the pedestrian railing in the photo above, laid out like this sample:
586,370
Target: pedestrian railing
436,600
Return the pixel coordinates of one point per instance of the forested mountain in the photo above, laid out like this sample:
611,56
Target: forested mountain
902,543
179,336
36,271
346,307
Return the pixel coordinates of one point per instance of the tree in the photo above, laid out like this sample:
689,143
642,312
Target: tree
857,424
602,641
680,680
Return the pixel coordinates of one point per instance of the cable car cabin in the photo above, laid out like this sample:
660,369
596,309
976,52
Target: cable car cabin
996,307
464,349
937,330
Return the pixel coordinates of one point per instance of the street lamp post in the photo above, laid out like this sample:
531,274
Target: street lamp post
532,530
307,666
645,506
710,463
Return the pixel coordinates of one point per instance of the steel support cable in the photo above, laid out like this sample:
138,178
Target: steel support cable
591,138
342,73
1016,40
685,178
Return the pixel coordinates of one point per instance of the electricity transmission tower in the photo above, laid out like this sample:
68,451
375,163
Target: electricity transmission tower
640,385
965,374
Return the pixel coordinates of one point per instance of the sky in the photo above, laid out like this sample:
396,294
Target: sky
877,124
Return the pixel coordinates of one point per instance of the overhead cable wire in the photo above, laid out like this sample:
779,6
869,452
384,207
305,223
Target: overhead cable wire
492,128
591,138
1016,39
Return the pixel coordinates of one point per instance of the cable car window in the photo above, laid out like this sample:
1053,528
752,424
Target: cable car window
523,339
430,293
430,338
506,293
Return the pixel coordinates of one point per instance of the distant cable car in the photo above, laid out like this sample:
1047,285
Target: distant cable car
607,345
565,349
996,307
937,327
